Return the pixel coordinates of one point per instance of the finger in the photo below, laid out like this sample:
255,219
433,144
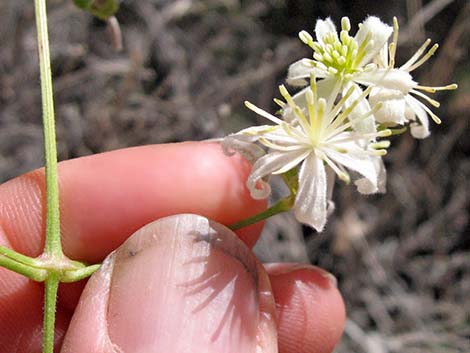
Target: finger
106,197
310,309
181,284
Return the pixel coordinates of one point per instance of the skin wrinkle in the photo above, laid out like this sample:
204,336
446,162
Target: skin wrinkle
23,212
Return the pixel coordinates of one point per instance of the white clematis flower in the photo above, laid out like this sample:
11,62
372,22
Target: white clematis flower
398,106
342,61
319,141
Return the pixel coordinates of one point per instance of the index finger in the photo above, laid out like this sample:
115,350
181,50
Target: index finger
107,197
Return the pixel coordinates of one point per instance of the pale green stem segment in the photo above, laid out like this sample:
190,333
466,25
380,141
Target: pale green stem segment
50,302
77,275
35,274
13,255
52,245
282,205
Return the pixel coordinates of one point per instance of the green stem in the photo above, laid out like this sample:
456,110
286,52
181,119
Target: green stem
51,287
282,205
25,260
52,245
77,275
35,274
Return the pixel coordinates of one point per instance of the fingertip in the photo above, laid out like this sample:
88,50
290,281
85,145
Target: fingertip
311,311
180,274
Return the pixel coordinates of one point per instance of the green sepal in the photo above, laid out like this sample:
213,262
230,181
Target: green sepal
103,9
291,178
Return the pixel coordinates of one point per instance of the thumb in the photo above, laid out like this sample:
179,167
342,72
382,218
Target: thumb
180,284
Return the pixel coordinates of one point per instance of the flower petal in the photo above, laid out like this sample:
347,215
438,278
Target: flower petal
393,105
365,186
300,71
414,110
381,59
366,125
388,78
379,34
244,145
323,27
330,183
311,201
265,166
355,159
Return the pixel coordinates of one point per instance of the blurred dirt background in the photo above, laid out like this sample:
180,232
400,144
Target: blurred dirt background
402,259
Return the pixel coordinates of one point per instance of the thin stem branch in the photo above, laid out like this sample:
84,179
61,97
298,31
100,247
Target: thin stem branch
36,274
282,205
12,254
52,245
51,287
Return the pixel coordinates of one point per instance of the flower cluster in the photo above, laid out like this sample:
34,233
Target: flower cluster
352,96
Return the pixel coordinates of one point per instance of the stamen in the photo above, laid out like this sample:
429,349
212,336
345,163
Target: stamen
345,24
350,123
332,70
379,153
263,113
398,131
433,116
306,38
437,88
344,114
343,175
278,147
391,61
424,58
279,103
380,144
313,86
333,112
384,133
302,119
317,56
359,137
361,51
285,93
294,133
433,102
416,55
393,45
311,108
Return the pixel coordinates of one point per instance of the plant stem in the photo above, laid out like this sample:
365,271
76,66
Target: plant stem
52,245
36,274
282,205
50,301
12,254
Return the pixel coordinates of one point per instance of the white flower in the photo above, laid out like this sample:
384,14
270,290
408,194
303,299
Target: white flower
341,62
398,106
318,141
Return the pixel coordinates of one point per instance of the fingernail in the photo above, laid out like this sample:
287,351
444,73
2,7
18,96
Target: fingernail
286,268
186,284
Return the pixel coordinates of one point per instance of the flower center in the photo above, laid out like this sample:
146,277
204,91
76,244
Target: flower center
341,55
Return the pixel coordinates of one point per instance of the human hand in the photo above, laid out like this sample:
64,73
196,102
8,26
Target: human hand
180,289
